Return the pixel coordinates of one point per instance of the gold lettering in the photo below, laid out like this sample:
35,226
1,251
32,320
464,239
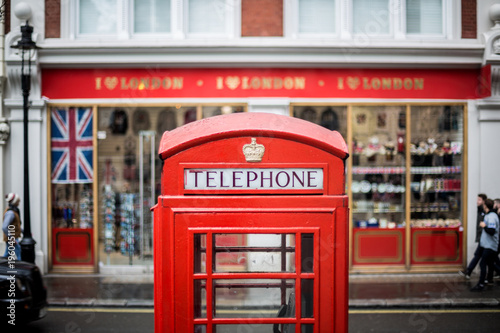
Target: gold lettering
244,83
340,83
178,82
300,83
277,83
288,83
386,83
123,83
255,83
133,83
397,83
166,83
155,83
267,83
98,83
408,83
366,84
376,83
418,84
144,83
219,82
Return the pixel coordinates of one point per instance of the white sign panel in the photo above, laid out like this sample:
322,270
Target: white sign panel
254,179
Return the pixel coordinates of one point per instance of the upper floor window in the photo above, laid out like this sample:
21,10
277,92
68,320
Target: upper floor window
424,16
152,16
372,18
97,16
177,18
317,16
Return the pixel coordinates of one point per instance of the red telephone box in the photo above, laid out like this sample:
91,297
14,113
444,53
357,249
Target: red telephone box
251,227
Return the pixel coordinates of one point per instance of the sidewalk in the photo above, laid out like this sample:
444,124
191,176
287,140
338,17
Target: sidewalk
365,291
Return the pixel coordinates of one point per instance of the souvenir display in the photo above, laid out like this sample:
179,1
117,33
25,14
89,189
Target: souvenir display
86,208
109,209
129,224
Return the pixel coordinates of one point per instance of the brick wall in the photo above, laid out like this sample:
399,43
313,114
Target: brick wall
52,18
469,19
261,18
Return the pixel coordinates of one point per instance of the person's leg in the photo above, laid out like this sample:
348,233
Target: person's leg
17,250
473,263
483,264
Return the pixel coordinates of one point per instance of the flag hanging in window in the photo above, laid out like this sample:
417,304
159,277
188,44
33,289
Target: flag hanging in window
72,145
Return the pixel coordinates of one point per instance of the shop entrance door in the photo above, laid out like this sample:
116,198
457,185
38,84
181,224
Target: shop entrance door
147,187
256,272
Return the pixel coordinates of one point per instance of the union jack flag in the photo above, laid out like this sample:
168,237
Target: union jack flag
72,146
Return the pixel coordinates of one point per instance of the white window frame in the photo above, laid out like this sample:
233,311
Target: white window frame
231,8
154,35
70,23
446,23
291,26
397,23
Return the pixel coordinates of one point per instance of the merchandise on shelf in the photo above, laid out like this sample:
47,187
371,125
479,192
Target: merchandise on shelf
109,208
86,209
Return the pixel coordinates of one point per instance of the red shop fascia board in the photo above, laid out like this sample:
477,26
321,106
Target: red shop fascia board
277,82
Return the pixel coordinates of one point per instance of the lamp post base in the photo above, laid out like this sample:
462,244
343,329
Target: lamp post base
28,249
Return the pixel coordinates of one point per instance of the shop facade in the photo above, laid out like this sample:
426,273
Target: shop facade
407,173
419,113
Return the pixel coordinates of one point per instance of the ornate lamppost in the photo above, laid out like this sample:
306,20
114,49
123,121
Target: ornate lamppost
26,45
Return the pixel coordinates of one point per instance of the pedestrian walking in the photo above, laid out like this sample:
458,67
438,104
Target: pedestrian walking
489,242
11,225
481,199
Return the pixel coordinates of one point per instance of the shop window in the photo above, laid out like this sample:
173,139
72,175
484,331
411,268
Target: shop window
333,118
72,187
129,175
437,146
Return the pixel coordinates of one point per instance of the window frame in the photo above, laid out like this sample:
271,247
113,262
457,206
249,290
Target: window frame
397,23
125,23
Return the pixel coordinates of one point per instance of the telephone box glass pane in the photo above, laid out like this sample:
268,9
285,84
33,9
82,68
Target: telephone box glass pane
307,286
200,253
307,328
254,252
244,328
200,328
253,298
307,253
200,298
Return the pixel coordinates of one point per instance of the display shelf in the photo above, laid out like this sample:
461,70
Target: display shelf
363,211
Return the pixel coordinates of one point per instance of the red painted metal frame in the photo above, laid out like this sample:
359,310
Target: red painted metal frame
289,142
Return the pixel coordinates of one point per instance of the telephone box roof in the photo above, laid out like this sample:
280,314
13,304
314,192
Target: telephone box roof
255,125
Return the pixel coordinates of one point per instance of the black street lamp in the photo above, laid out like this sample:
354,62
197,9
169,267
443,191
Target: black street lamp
26,45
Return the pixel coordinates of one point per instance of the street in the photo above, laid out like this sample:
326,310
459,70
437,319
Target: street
82,320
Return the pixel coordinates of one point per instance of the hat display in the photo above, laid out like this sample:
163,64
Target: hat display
12,198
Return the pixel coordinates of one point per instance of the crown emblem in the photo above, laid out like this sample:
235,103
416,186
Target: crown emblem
253,151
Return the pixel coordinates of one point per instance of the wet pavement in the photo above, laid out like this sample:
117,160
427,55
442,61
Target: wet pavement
365,291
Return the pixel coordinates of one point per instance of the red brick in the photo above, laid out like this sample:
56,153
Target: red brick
52,18
469,18
261,18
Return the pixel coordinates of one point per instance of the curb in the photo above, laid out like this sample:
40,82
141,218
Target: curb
394,303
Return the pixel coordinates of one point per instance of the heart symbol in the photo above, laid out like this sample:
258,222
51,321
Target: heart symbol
232,82
353,82
111,82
